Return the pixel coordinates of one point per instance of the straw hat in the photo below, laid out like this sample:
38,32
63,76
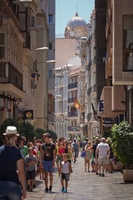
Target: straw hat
47,135
11,130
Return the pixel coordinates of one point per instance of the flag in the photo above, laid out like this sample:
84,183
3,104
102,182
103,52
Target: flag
77,104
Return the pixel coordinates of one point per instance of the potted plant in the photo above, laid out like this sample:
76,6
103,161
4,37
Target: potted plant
122,144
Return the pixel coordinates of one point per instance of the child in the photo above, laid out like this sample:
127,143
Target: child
65,170
39,164
30,161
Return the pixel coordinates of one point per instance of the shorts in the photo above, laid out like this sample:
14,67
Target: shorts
30,174
58,159
75,154
87,159
48,166
65,177
70,161
102,161
109,161
95,161
92,162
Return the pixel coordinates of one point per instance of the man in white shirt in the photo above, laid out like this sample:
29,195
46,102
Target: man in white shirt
102,153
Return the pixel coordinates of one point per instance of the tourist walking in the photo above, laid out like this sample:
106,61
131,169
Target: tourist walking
22,146
30,163
12,175
65,171
95,159
58,155
75,148
102,153
48,159
88,155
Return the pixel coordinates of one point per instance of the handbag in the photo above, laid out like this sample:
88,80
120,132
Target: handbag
82,154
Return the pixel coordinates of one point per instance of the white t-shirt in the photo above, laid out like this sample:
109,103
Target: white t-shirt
103,149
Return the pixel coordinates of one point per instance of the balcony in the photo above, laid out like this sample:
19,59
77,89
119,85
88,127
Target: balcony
9,74
73,128
73,114
11,10
112,98
71,100
89,40
26,36
94,61
13,7
11,80
94,88
73,85
89,116
89,90
89,65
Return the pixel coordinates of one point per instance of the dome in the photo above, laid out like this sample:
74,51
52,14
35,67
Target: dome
76,21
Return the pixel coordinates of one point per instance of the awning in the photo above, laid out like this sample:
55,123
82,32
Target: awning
12,90
111,98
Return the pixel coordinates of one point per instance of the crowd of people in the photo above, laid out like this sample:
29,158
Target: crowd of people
41,156
99,155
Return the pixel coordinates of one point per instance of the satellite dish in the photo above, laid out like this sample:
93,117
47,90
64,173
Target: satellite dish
72,34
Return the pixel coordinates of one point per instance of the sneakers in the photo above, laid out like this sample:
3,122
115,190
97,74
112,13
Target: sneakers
46,190
62,190
65,191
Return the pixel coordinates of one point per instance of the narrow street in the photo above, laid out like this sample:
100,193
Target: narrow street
85,186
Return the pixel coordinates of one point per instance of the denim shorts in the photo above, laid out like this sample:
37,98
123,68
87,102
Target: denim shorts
10,191
48,166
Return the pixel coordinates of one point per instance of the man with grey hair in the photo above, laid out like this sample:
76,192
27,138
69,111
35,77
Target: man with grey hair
102,153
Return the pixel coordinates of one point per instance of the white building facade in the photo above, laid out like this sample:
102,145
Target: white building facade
67,116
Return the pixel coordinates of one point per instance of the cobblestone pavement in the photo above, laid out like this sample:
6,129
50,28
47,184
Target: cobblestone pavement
85,186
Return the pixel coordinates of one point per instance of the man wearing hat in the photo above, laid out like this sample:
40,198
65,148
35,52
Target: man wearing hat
12,176
48,158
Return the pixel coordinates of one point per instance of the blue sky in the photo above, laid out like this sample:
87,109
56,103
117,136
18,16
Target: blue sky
66,9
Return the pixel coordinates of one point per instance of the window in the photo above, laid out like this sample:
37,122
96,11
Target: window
49,105
50,46
51,18
49,73
22,20
2,45
32,21
128,42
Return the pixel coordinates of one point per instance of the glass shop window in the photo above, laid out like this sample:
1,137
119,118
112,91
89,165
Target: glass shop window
128,42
